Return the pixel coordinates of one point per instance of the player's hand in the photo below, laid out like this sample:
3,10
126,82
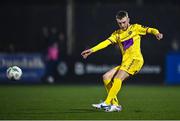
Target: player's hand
159,36
86,53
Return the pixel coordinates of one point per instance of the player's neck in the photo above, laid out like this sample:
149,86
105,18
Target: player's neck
126,27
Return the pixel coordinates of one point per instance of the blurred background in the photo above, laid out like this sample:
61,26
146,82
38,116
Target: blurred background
45,39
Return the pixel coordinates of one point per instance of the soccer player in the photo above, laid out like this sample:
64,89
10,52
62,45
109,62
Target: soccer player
128,37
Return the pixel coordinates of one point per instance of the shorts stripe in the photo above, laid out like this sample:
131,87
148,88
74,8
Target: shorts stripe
130,64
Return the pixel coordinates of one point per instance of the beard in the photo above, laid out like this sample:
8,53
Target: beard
124,28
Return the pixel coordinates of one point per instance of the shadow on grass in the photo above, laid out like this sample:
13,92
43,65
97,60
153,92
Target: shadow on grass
83,110
89,110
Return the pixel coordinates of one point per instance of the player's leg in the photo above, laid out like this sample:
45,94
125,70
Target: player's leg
117,82
108,82
118,79
129,68
107,78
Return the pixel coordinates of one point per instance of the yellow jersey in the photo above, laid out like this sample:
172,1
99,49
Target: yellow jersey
129,40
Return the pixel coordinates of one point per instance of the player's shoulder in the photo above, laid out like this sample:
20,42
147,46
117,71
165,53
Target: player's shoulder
117,31
137,25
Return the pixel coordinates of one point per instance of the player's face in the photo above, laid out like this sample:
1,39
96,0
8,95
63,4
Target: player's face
123,23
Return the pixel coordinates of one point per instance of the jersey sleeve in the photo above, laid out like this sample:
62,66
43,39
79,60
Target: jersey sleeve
142,30
113,38
152,31
101,45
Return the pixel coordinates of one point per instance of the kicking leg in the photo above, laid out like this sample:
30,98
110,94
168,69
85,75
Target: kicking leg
117,82
108,82
107,79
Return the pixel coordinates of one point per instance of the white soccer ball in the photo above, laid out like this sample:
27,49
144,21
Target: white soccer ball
14,72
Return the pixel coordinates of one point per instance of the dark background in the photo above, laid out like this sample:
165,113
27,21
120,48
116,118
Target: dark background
22,23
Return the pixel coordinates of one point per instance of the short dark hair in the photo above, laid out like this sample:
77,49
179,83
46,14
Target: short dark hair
121,14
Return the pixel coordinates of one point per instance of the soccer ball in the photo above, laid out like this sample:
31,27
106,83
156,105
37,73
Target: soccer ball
14,72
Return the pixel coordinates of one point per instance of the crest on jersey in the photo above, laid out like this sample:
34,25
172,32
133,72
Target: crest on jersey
130,32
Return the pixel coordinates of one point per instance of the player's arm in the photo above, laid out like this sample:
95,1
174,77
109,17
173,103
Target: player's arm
155,32
111,40
144,30
100,46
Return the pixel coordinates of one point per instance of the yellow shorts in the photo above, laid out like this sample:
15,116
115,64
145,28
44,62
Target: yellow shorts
131,66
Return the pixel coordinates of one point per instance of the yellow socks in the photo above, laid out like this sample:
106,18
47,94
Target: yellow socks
113,91
115,101
107,84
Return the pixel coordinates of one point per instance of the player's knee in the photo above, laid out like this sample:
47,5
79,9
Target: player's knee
106,76
122,75
122,78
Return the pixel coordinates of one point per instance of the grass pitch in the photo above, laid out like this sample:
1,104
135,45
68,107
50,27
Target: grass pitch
74,102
